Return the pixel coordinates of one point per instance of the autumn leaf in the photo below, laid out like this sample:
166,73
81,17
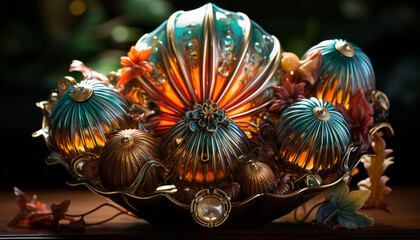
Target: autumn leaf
31,211
90,171
59,211
77,225
34,213
342,208
376,182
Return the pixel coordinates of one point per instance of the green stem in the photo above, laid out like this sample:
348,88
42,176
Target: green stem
309,213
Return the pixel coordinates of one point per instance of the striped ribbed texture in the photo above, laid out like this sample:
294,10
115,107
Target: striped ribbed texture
208,53
306,143
340,77
256,178
80,127
124,155
203,159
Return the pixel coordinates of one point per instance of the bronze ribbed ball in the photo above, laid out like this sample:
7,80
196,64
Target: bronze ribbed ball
124,155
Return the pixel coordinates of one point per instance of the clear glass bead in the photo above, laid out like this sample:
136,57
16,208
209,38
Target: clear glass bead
210,209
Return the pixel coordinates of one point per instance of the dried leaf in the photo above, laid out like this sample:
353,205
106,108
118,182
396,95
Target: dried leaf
59,211
91,171
377,202
30,210
283,185
375,167
21,198
41,220
78,225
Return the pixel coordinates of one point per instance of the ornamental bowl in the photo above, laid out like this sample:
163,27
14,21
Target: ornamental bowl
162,209
196,58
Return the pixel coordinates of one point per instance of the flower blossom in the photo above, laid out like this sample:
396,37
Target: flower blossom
135,64
287,94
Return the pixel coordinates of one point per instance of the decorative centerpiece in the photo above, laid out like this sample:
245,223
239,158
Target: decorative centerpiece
209,123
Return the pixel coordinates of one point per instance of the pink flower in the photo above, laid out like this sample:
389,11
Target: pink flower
87,73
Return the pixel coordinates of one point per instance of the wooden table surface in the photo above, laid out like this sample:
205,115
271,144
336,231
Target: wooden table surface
404,223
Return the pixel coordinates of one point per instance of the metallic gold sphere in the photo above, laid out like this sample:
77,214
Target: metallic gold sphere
256,178
124,154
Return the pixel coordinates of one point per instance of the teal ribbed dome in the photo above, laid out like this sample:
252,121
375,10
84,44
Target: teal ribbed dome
83,115
205,148
311,135
344,70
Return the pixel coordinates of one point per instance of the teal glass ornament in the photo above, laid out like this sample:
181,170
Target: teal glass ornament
83,116
205,148
312,136
344,70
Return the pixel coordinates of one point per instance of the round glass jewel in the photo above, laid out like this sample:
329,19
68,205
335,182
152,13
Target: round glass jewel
210,209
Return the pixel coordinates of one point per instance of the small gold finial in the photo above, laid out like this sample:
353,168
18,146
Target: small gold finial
82,92
345,49
127,140
321,113
64,84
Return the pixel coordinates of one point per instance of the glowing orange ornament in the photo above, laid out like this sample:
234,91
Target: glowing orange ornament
207,54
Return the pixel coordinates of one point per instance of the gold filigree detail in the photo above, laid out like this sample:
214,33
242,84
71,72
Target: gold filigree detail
345,48
82,92
321,113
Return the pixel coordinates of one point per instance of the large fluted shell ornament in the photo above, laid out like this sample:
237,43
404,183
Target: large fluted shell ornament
82,117
207,54
125,155
312,136
205,147
344,70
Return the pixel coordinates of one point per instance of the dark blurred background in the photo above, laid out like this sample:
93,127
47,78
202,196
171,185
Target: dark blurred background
39,39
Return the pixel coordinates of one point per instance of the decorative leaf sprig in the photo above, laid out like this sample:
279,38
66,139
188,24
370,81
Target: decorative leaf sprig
34,213
341,208
376,182
359,117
